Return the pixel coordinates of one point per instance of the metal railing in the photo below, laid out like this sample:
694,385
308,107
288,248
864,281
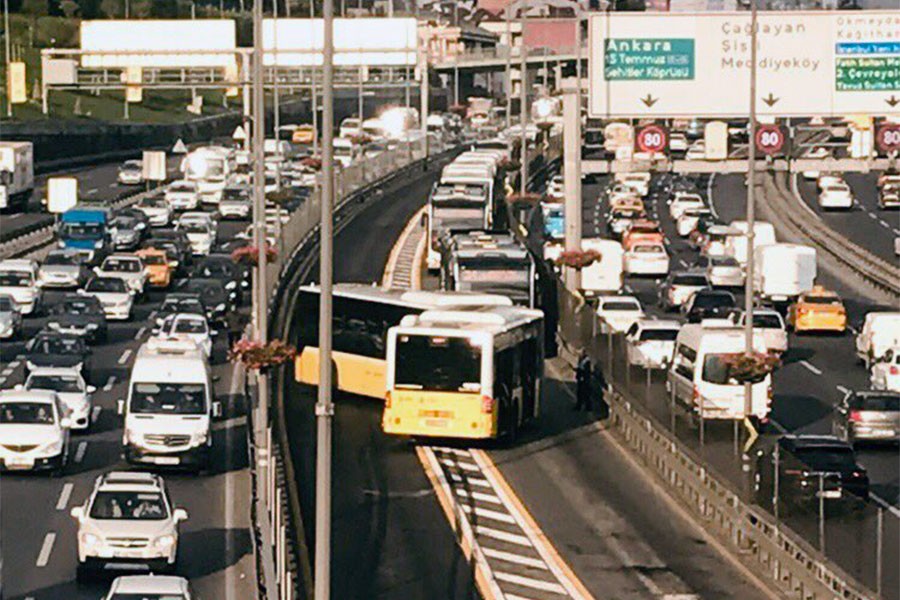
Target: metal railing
495,54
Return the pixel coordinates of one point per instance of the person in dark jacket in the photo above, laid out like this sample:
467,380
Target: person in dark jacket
583,382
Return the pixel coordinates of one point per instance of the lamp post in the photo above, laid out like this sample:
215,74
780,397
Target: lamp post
523,102
6,49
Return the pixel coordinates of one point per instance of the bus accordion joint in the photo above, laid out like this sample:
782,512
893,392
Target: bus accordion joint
487,405
387,399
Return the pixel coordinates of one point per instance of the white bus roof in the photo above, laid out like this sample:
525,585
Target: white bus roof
494,320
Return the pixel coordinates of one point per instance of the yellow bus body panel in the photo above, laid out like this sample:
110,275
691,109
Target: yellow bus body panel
356,374
438,414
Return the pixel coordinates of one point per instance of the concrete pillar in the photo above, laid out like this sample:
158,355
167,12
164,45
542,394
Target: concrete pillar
572,172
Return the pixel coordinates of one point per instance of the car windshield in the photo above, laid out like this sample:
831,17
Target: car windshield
885,402
190,326
55,383
121,265
15,279
822,300
128,506
168,398
725,261
107,285
194,227
185,305
713,300
183,187
648,249
691,280
132,166
154,259
78,306
834,457
767,321
719,369
153,202
6,304
76,230
621,305
57,345
61,258
26,413
123,223
659,335
216,270
435,363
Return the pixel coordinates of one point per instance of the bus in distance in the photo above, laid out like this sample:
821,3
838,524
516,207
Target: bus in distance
490,263
469,374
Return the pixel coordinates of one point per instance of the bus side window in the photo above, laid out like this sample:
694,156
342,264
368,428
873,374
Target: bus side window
504,368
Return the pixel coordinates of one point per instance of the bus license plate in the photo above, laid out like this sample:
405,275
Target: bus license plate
435,423
829,494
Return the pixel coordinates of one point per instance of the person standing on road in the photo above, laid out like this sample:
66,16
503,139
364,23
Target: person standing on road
583,382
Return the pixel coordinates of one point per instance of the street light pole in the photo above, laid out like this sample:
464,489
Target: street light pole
523,102
751,234
315,101
6,44
324,406
456,54
259,200
509,47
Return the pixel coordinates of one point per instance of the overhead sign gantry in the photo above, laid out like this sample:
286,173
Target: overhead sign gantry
681,65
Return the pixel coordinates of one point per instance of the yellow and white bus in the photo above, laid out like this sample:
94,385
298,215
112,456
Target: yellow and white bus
473,373
362,316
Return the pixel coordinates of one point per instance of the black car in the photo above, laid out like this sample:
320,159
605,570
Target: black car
809,467
189,303
171,238
126,232
51,349
138,215
79,315
236,277
709,304
217,300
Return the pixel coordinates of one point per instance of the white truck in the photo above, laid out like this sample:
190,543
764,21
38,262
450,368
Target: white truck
783,271
16,173
606,275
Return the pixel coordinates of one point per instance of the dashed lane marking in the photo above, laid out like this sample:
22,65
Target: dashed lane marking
109,383
95,414
810,367
64,496
80,452
529,582
842,389
140,333
46,548
125,356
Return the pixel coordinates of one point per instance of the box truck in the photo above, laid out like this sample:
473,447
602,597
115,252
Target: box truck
16,173
783,271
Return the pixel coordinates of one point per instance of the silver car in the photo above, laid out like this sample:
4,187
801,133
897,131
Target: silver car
868,416
63,268
10,317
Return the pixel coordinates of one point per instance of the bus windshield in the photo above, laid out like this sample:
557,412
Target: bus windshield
437,364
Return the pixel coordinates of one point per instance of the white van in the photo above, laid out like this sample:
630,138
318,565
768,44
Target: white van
880,332
170,406
736,245
699,372
783,271
606,276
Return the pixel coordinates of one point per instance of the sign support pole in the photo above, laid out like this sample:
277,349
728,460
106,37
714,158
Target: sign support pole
572,174
523,102
324,406
7,58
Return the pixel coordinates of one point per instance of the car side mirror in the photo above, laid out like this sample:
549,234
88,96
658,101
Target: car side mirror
217,410
77,512
91,389
179,515
65,423
120,406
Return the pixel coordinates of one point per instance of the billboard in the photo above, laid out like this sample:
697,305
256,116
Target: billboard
554,34
367,41
178,43
681,65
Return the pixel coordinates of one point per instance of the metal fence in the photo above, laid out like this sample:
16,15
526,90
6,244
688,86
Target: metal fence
808,556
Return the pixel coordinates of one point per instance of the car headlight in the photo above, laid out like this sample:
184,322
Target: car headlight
91,326
89,539
54,447
164,541
199,437
220,306
54,326
230,285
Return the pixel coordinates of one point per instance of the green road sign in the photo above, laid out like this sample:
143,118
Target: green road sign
867,74
648,59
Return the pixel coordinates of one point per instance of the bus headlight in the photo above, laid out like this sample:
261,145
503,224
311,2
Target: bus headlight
487,405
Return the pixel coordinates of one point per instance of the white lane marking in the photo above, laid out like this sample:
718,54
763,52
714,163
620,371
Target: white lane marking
885,504
109,383
6,372
872,215
125,356
14,364
518,559
64,496
810,367
536,584
884,223
470,480
46,549
478,496
503,536
842,389
683,262
112,185
2,380
95,414
80,452
140,333
489,514
465,466
455,451
92,191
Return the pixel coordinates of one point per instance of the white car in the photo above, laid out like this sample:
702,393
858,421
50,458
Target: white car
10,317
770,324
683,201
128,521
817,153
131,173
350,127
201,233
187,326
114,296
62,268
885,372
688,220
697,151
162,587
34,431
637,181
650,343
827,179
647,259
836,195
127,267
69,386
722,271
183,195
618,313
157,209
19,280
678,142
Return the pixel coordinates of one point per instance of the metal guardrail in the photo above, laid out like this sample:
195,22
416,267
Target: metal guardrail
788,205
773,551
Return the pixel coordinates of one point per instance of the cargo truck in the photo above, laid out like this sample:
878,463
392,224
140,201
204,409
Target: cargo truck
16,174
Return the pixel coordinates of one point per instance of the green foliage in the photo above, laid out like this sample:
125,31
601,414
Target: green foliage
56,32
69,8
36,8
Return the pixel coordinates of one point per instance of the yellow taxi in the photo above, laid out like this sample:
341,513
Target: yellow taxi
304,134
626,203
818,310
159,270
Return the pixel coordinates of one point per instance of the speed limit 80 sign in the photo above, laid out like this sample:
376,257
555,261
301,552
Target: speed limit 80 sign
652,138
888,138
770,139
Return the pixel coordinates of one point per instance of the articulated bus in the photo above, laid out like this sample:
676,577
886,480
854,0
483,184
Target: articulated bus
473,374
362,315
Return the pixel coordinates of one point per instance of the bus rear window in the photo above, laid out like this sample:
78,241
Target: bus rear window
437,364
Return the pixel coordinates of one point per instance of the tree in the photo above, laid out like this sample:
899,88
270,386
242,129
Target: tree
164,9
35,8
69,8
112,9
